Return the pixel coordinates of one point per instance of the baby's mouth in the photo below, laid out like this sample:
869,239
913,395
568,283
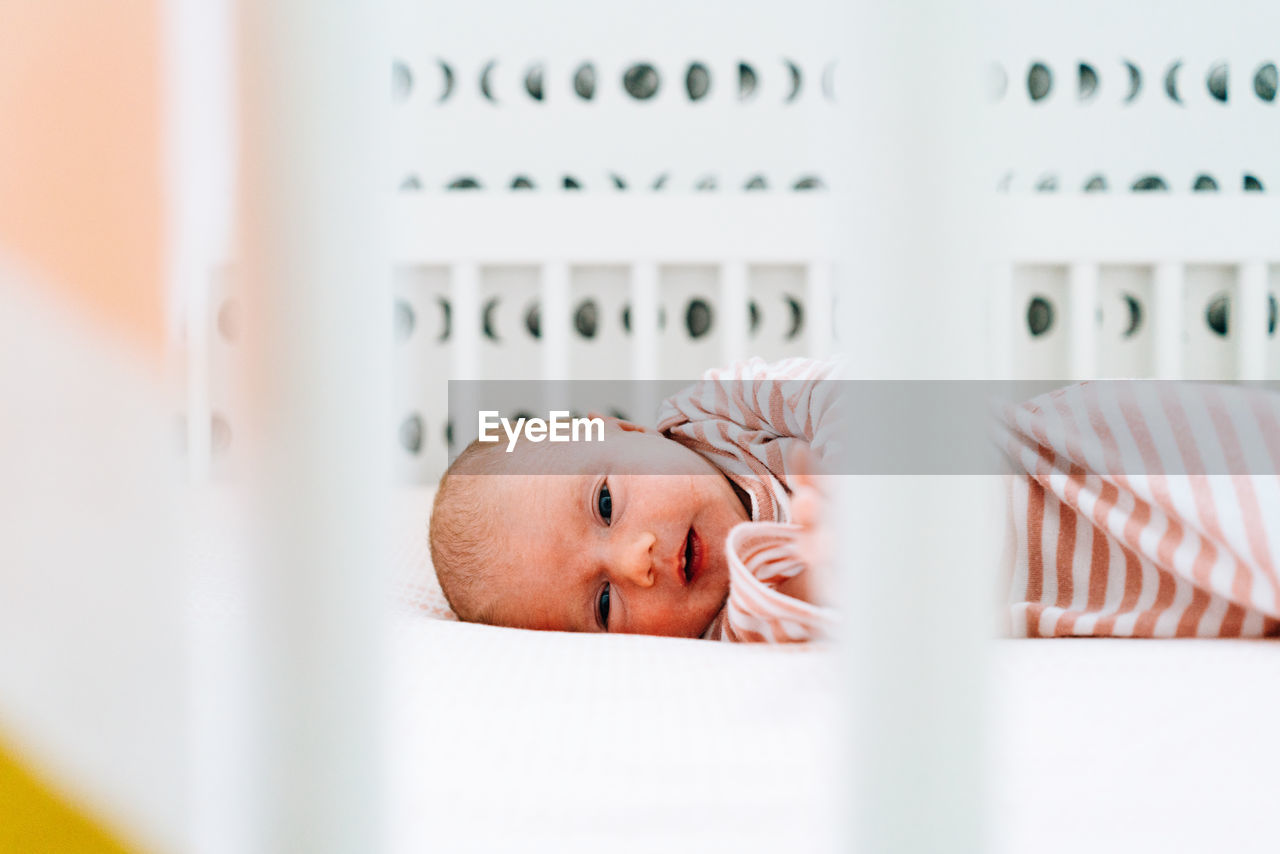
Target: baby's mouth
691,559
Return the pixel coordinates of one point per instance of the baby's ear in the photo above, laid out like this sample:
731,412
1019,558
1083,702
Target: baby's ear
610,421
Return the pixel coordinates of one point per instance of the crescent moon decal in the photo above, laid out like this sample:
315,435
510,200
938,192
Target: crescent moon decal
829,81
533,82
1218,314
584,81
446,317
533,319
404,319
485,88
797,317
1135,81
411,429
1135,315
796,81
1217,82
401,81
746,81
1088,81
446,71
1171,82
489,331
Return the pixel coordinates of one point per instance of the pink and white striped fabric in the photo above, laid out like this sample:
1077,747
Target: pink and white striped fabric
1145,510
745,419
1137,509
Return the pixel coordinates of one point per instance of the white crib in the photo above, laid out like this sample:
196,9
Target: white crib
682,168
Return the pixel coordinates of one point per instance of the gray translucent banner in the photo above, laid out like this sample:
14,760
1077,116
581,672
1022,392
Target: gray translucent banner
1120,428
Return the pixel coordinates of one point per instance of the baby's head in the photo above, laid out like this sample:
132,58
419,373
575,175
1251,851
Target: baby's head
621,535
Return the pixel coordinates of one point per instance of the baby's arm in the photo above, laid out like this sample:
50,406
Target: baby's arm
809,502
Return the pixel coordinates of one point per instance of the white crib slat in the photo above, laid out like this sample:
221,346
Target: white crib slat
1082,301
644,320
1250,322
1003,322
464,293
733,311
644,340
818,276
1169,283
321,278
555,320
199,364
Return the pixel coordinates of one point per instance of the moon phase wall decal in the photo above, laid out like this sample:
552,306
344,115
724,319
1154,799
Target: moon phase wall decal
1218,314
404,320
797,317
796,80
697,81
1216,82
746,81
401,81
1171,82
446,319
1135,315
584,81
446,71
1088,81
1039,81
1135,81
487,323
411,432
533,82
486,87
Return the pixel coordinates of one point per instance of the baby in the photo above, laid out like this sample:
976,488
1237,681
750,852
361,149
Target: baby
707,525
704,526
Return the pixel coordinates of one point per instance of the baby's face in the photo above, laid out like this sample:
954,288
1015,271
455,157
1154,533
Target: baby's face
626,536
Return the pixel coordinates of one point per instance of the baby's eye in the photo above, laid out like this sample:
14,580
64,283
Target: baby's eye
604,503
602,607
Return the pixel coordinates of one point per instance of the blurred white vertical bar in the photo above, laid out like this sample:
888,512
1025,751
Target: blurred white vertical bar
314,100
464,294
734,312
913,188
644,340
818,276
555,336
1250,322
1002,324
199,183
555,321
1082,289
1168,319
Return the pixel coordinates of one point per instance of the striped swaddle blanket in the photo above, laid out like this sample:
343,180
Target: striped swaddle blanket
1137,509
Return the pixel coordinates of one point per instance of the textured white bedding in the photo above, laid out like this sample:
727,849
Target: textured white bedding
501,740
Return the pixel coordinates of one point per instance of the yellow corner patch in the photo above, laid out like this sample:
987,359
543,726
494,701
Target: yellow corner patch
34,819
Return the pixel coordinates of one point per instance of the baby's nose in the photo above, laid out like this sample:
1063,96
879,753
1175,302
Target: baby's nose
635,559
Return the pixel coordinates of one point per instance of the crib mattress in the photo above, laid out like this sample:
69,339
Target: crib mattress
503,740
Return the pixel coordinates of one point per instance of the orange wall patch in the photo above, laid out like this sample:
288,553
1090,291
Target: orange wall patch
81,157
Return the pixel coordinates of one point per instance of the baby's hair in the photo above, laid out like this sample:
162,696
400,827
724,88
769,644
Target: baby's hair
463,530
